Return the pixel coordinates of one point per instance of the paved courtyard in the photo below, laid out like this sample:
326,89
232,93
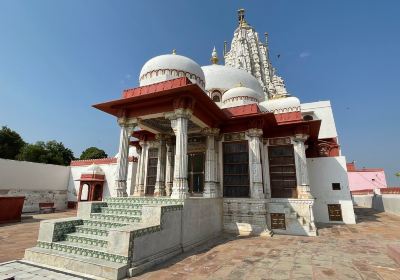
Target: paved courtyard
339,252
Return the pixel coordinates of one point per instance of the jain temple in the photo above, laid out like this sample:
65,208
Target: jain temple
203,150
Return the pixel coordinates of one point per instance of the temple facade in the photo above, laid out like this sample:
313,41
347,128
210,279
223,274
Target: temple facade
223,147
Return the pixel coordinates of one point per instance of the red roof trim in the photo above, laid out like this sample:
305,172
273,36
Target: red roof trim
98,161
162,86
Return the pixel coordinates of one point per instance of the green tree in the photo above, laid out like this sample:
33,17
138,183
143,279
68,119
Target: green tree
93,153
10,143
52,152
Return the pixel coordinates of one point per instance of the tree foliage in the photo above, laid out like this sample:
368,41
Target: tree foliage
10,143
52,152
93,153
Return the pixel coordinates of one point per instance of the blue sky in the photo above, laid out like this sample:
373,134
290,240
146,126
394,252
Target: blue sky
57,58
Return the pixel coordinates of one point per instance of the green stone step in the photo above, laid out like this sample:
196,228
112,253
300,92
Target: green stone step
114,218
97,231
145,200
103,224
80,238
121,211
83,250
121,205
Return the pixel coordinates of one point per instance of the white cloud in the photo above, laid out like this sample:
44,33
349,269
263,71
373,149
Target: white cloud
304,54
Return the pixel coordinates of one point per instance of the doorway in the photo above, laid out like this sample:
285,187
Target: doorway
196,173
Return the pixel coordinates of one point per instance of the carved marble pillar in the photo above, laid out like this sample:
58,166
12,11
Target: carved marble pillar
138,170
256,188
303,185
121,172
169,172
179,122
265,158
159,189
139,189
210,182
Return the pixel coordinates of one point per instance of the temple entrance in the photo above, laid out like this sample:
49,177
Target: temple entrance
151,171
196,173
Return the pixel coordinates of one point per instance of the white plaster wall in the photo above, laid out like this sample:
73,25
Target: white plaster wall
322,173
108,187
25,175
321,110
38,182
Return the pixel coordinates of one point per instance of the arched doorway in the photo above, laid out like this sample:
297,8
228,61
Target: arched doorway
91,186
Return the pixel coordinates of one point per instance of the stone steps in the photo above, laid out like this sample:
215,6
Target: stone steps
77,263
144,200
115,218
103,224
79,238
121,211
96,231
121,205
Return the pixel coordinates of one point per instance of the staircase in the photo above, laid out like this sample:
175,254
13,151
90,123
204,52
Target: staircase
84,245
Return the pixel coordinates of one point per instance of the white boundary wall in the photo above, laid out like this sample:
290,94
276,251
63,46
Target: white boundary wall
323,172
38,182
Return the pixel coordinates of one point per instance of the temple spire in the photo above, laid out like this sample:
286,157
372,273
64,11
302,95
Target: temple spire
214,56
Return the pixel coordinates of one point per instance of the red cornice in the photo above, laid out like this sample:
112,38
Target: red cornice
98,161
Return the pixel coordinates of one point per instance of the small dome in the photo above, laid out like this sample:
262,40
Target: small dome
240,96
171,66
223,78
281,105
93,169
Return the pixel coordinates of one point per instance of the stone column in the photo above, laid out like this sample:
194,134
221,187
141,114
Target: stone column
303,185
256,188
265,163
138,170
210,182
121,173
169,172
159,189
179,122
139,189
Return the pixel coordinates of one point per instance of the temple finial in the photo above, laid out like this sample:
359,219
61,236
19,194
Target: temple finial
214,56
174,51
241,16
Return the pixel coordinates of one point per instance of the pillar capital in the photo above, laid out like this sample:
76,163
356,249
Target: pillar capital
126,122
300,137
210,131
179,113
254,132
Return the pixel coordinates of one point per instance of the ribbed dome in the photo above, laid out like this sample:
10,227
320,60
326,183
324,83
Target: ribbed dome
240,96
93,169
223,78
281,105
171,66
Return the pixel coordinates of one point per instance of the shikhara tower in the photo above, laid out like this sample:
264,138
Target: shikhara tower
249,53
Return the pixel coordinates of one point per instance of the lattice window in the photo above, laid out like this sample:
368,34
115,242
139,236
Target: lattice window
151,170
282,171
236,169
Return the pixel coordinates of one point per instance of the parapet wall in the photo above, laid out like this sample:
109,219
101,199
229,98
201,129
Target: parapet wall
38,182
380,202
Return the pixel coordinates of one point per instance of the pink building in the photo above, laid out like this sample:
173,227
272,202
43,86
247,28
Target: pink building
365,178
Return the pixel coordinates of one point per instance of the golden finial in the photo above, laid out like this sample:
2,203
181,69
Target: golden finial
174,51
214,56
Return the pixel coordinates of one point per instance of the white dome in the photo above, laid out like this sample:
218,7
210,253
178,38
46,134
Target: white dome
223,78
281,105
93,169
170,66
240,96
